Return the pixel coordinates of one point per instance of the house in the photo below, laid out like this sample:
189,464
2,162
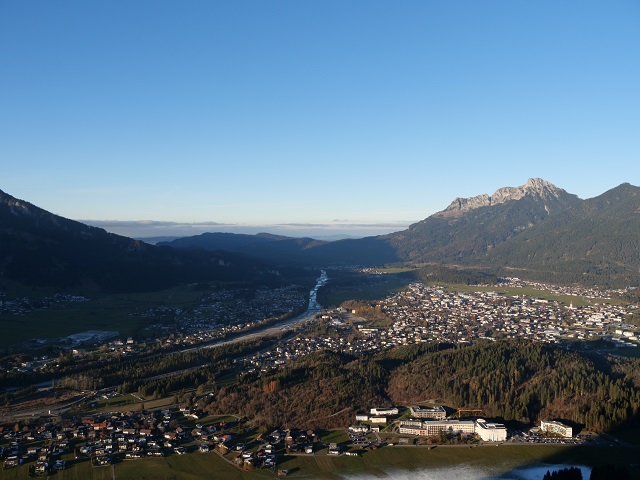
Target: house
12,461
379,420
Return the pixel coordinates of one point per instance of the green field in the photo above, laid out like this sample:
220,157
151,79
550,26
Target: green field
530,292
394,281
494,460
99,313
621,352
377,291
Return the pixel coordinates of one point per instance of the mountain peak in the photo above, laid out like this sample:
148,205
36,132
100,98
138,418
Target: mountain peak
535,187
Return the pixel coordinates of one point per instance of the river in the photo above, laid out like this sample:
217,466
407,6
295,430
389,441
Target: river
312,310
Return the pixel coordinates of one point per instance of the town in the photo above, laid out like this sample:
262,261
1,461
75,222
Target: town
420,313
218,315
103,439
424,313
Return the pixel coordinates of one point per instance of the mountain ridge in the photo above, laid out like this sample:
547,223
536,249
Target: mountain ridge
43,249
536,228
597,237
484,234
534,187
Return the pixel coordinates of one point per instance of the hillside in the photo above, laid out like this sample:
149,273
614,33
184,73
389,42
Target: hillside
272,248
594,241
513,380
536,231
473,225
466,227
42,249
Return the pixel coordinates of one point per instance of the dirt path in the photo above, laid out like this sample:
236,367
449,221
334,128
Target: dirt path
332,415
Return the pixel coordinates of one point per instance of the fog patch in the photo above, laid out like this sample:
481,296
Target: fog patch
467,472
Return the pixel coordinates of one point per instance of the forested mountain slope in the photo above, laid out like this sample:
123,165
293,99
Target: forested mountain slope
471,226
512,380
43,249
594,241
272,248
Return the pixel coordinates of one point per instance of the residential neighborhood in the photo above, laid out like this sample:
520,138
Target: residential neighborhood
424,313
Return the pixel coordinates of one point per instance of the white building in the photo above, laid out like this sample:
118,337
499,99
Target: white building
551,426
435,427
384,411
491,432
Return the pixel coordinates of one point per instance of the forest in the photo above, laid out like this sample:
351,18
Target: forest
509,380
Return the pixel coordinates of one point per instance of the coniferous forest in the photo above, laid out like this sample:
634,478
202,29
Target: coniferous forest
509,380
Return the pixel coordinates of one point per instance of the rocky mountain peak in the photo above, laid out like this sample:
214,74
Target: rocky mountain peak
535,187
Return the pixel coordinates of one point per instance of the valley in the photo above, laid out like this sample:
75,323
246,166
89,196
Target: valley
306,336
345,339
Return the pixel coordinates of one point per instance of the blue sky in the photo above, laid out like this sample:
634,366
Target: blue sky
361,116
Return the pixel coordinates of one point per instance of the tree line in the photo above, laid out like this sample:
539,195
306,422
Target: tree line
509,380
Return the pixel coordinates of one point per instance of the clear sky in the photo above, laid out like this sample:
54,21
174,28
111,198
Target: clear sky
274,112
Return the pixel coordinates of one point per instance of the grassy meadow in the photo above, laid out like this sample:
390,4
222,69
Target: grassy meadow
118,312
496,460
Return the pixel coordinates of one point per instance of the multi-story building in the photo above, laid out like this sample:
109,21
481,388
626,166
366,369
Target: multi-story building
435,413
384,411
491,432
552,426
435,427
378,419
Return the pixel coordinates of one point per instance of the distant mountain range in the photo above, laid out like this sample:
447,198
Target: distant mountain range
536,231
274,248
43,249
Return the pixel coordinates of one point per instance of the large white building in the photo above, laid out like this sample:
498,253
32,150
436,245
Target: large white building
491,432
435,427
551,426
